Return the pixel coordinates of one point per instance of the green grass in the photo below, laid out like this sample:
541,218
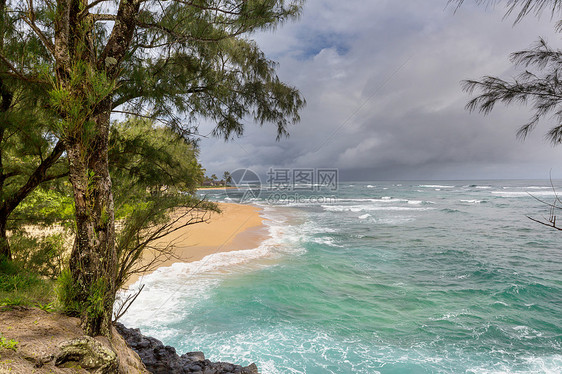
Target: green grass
20,287
50,307
8,343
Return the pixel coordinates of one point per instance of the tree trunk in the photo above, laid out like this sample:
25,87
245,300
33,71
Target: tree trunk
5,104
93,261
5,252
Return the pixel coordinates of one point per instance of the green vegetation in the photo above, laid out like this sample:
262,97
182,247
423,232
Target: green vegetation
21,287
29,154
50,307
66,294
8,343
65,67
213,181
539,84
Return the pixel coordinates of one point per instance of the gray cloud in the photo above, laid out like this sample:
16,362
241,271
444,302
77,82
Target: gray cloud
382,82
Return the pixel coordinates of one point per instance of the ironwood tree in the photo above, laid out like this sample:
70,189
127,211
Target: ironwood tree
539,85
29,154
174,61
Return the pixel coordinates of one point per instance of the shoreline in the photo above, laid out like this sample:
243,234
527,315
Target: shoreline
216,188
237,227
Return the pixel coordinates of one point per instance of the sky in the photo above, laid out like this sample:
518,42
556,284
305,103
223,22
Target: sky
382,80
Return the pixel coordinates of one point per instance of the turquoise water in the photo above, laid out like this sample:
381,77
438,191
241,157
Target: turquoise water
409,277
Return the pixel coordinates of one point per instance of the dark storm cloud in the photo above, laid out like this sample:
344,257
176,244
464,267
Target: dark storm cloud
382,82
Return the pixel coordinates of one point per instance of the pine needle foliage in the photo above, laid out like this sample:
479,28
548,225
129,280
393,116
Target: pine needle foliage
539,85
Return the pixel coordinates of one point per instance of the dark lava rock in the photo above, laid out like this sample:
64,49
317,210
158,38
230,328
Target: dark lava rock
160,359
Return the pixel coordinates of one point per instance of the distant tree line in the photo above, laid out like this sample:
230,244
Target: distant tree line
214,181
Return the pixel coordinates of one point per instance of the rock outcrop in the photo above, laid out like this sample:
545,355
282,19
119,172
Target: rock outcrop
52,343
87,353
160,359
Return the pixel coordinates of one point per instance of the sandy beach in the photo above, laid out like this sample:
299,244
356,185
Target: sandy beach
237,227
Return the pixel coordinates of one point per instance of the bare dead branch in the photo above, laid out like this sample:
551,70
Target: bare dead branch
549,224
140,234
126,304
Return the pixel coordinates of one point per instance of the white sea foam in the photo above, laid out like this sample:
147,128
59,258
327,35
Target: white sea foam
243,340
384,221
535,365
326,240
435,186
394,220
548,365
389,199
171,292
448,316
369,208
525,332
472,201
501,303
523,193
385,199
370,186
342,208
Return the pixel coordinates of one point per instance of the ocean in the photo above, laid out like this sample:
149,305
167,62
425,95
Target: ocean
376,277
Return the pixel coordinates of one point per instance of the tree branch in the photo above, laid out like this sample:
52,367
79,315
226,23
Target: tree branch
16,72
131,255
526,6
214,9
183,38
30,20
55,176
103,17
36,178
550,224
120,38
84,11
